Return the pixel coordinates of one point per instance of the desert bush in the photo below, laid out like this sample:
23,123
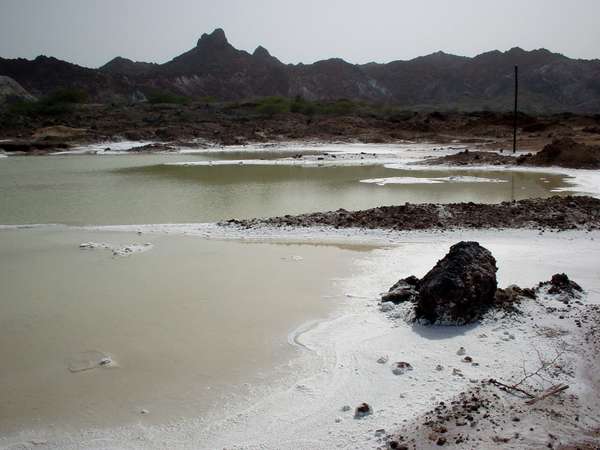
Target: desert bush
59,102
164,97
270,106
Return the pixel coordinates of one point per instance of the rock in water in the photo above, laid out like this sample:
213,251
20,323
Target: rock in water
461,286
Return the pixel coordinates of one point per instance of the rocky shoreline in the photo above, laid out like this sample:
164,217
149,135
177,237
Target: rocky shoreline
554,213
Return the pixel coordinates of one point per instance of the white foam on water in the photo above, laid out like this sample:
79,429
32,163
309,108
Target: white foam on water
584,181
437,180
117,250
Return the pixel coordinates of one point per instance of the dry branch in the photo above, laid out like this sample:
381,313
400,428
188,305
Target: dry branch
552,390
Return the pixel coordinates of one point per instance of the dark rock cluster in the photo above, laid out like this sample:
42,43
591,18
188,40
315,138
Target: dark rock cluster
462,287
459,289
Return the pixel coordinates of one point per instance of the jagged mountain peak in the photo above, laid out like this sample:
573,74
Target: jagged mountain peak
550,81
215,39
125,66
261,52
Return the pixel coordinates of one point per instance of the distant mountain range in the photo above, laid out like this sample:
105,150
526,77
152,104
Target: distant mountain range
549,82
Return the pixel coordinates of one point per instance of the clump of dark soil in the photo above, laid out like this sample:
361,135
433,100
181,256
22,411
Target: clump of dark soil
556,213
469,158
561,287
565,153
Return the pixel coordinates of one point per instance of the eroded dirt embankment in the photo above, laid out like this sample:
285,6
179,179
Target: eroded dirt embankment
561,153
557,213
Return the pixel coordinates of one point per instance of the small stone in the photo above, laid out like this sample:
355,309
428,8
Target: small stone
144,411
441,441
400,368
105,362
383,359
439,367
386,307
461,351
362,410
346,408
467,359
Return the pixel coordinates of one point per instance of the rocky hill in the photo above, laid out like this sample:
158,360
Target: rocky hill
11,90
550,82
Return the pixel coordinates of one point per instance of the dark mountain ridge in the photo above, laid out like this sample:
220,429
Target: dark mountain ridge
550,82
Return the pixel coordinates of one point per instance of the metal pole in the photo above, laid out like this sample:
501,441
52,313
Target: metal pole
516,105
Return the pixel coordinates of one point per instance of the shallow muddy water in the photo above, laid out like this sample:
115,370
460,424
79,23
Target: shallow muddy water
187,328
90,340
139,189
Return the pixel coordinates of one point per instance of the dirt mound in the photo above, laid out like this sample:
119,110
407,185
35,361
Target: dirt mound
59,131
565,153
469,158
559,213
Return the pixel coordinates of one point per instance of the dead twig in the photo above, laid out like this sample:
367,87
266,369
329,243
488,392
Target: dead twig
544,367
511,388
552,390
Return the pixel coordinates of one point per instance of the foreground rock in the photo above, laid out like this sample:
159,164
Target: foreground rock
558,213
460,288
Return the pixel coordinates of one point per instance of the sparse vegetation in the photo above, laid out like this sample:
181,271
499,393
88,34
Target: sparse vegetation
164,97
57,103
270,106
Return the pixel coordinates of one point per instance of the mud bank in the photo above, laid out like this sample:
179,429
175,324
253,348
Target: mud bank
556,213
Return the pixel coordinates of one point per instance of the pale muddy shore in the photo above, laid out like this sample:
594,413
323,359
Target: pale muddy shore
306,410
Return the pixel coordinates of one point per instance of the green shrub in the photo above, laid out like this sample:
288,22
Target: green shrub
302,106
207,99
66,96
340,107
163,97
269,106
59,102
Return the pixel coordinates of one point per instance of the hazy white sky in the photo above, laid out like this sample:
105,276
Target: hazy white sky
91,32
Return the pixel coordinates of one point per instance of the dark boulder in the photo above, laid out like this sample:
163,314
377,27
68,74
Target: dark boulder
461,286
404,290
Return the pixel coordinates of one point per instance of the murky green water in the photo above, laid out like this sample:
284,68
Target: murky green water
137,189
